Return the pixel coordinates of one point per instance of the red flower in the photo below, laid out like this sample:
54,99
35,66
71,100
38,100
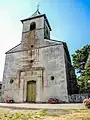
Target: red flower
53,100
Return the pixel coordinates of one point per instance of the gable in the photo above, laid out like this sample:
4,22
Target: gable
14,49
47,42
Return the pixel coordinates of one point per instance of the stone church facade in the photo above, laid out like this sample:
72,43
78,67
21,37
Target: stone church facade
38,68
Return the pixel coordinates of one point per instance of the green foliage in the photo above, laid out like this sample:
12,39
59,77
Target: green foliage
82,68
79,58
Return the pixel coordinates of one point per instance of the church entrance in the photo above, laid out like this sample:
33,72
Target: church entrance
31,91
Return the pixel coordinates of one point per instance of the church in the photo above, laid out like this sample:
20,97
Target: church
39,67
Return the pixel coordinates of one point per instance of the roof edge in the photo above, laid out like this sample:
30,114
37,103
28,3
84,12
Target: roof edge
34,48
42,15
12,48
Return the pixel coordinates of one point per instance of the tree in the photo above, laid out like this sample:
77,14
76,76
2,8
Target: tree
79,59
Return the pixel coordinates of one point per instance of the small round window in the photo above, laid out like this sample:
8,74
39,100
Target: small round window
11,81
31,61
52,77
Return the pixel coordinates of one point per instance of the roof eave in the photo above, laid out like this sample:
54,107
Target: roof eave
37,17
31,18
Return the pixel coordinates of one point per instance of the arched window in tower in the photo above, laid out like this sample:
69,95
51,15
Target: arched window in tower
32,26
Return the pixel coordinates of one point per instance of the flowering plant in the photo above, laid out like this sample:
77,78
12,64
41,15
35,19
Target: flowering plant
53,100
87,102
9,100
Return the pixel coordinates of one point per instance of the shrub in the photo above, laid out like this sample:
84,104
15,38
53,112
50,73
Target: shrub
9,100
53,100
87,102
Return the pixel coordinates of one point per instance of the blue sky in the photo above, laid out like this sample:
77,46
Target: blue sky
69,19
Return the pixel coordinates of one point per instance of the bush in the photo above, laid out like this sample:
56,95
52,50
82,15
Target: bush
9,101
87,102
53,100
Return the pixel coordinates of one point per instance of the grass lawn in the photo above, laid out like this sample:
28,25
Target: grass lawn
15,114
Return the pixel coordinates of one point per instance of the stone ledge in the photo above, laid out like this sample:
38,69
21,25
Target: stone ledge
41,106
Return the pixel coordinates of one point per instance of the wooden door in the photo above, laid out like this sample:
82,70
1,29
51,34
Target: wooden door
31,91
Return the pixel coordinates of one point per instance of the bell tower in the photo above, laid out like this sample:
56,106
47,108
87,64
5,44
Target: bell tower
35,29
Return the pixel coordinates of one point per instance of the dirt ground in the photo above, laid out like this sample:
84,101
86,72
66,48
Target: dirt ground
17,114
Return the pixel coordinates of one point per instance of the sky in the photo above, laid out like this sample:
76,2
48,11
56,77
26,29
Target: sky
69,20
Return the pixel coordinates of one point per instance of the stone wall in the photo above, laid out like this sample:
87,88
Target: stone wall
78,98
50,58
12,65
54,63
